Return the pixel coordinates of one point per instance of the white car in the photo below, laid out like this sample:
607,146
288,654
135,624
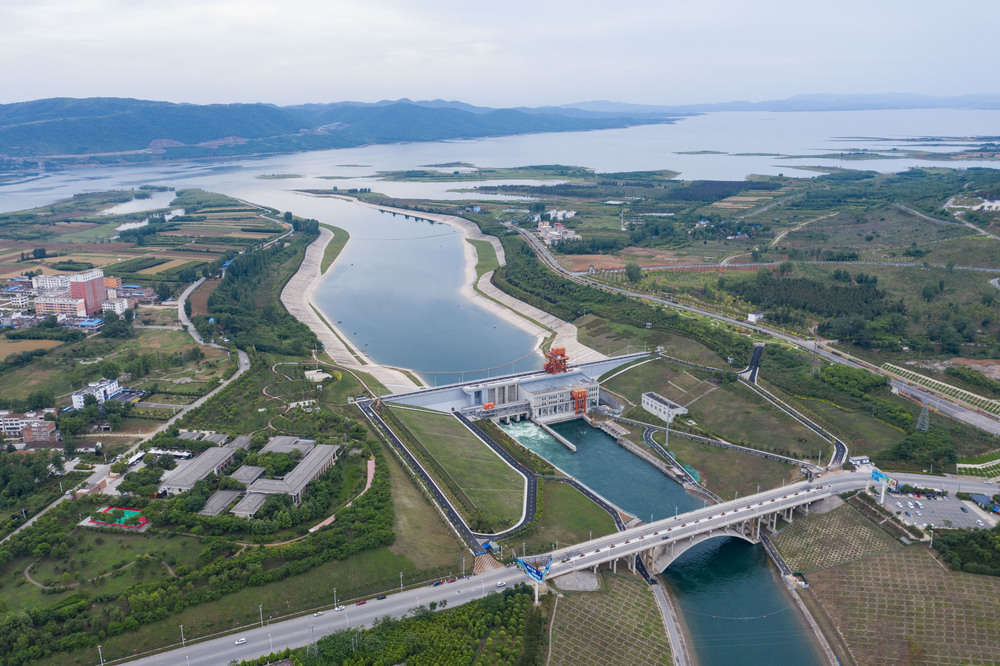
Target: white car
979,522
503,582
909,504
241,641
317,613
899,504
339,608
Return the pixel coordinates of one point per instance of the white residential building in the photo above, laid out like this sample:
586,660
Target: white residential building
102,390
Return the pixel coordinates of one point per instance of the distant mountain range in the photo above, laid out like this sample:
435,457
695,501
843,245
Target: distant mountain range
109,130
65,131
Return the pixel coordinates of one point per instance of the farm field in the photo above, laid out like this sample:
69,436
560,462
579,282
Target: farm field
496,490
905,607
8,347
618,624
821,541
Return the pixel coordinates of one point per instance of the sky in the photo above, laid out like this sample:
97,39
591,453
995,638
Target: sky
500,54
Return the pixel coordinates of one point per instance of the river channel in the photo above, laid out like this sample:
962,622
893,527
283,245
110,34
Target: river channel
733,606
394,291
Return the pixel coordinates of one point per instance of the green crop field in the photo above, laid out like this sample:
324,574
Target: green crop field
495,488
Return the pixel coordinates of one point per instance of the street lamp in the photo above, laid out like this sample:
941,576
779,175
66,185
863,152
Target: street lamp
270,642
400,581
334,597
101,654
261,609
182,636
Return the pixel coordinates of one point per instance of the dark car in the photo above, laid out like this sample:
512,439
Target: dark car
380,597
964,510
435,583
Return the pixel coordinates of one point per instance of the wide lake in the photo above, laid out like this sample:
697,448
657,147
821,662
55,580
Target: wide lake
395,289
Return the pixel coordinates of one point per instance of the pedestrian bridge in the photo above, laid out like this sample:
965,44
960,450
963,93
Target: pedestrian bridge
661,542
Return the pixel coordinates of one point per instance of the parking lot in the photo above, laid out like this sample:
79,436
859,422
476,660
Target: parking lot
940,512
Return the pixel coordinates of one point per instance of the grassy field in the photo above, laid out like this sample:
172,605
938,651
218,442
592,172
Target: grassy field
821,541
670,380
726,472
618,624
613,338
334,248
8,347
425,548
740,421
904,607
862,433
495,488
487,257
567,517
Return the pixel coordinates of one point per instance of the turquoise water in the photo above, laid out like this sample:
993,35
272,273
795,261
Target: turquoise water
734,607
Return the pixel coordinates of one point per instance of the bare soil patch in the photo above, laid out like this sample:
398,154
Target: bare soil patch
199,298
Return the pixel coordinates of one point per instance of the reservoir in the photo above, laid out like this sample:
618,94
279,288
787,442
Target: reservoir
731,600
394,292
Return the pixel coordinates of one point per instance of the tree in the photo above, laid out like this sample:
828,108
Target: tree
633,272
39,253
163,290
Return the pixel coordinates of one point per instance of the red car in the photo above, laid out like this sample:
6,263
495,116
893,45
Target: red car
361,603
452,580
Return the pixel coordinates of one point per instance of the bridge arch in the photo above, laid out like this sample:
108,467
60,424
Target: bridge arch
665,555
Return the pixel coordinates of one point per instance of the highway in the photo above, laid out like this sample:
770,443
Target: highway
300,631
295,632
969,416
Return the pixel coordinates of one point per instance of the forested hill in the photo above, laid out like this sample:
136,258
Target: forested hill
112,129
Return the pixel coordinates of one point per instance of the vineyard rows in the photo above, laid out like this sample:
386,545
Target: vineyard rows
967,397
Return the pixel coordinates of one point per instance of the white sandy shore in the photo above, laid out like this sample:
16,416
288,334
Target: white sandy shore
297,296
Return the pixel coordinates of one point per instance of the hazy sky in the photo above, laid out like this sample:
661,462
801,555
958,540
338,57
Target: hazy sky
510,53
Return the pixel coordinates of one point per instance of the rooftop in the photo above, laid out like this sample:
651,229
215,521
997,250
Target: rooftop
295,481
287,444
218,502
188,474
249,505
656,397
247,474
241,442
217,438
565,380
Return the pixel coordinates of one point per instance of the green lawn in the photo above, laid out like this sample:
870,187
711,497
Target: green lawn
496,490
859,430
738,420
672,381
487,255
614,338
333,249
727,472
567,517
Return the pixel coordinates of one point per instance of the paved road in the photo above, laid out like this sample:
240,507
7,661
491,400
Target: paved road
474,543
530,479
955,411
300,631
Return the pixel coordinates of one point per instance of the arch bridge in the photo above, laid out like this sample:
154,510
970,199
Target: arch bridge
661,542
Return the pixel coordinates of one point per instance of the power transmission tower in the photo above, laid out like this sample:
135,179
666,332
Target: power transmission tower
924,420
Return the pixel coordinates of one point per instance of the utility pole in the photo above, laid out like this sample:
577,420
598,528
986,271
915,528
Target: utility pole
100,654
261,609
183,644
